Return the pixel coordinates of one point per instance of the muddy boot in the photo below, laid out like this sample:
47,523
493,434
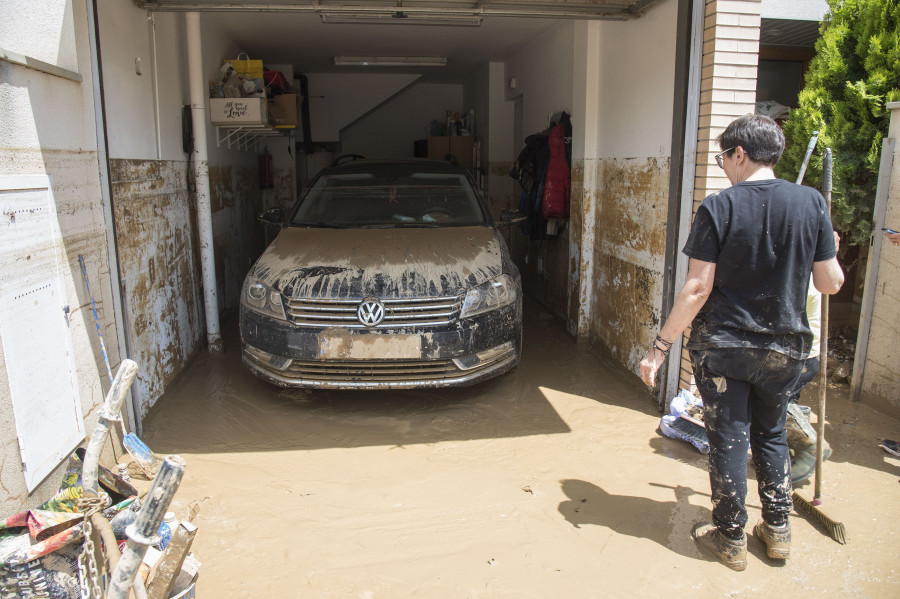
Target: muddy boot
731,553
801,439
776,538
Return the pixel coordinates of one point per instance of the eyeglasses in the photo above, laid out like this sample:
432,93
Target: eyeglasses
721,154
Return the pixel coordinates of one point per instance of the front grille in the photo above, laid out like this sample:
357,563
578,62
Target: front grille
349,374
429,311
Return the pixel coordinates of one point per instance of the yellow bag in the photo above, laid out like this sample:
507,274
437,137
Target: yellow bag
247,68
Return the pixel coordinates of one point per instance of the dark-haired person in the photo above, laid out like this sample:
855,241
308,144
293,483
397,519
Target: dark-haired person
752,248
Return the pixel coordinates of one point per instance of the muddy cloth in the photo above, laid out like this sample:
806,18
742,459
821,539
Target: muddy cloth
764,237
745,395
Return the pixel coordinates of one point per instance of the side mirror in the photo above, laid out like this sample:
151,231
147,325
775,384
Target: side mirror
271,217
511,217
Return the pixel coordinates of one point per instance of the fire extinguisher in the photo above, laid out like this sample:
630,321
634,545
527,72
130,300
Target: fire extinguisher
266,170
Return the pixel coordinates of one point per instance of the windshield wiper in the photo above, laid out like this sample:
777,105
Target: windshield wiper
402,226
320,224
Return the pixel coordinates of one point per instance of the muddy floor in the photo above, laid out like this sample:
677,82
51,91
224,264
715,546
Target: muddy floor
552,481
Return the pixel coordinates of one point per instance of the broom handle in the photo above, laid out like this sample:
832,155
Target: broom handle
823,352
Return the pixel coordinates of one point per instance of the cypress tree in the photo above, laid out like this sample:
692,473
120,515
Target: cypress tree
854,74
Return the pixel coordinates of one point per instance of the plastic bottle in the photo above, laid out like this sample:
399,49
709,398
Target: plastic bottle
165,530
123,472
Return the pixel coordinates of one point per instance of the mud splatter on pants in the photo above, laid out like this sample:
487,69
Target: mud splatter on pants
745,393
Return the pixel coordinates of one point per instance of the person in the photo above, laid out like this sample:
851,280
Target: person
893,237
752,248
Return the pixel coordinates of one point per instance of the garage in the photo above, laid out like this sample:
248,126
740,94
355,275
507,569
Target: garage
508,69
160,199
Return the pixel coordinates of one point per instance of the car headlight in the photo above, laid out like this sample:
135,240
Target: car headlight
259,297
494,294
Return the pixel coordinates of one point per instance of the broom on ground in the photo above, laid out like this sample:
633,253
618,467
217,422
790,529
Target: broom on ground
812,506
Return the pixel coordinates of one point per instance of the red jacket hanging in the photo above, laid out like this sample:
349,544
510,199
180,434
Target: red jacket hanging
557,183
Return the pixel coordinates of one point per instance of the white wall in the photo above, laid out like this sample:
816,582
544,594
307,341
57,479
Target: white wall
42,30
390,130
337,100
48,129
499,129
636,83
803,10
544,77
635,98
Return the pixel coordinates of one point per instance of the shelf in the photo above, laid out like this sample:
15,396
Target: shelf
246,136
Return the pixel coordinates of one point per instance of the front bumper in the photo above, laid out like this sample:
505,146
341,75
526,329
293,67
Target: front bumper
462,353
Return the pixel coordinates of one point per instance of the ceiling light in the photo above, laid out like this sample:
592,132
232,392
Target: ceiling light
402,18
390,61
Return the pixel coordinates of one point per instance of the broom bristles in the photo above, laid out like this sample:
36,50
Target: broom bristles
813,508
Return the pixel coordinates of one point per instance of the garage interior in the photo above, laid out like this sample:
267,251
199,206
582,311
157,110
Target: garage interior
599,271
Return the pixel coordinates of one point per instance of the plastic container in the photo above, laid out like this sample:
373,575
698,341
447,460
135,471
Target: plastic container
165,530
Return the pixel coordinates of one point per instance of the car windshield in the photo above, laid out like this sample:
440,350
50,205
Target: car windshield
394,196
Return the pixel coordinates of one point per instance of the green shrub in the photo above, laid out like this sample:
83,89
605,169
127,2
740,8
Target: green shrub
855,73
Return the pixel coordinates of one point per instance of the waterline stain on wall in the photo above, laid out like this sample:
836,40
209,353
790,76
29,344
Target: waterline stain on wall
629,255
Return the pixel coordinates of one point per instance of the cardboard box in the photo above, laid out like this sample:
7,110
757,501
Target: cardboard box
283,111
238,111
461,146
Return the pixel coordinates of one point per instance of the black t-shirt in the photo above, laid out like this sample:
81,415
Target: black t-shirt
763,237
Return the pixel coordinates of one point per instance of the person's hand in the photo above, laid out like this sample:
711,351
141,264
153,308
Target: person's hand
650,365
893,237
837,241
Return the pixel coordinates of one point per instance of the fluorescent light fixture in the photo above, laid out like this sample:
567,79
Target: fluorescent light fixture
390,61
402,18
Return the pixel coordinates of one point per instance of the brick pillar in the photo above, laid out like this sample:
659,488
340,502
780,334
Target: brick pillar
727,91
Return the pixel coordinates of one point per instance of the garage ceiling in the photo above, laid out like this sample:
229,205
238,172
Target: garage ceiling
308,33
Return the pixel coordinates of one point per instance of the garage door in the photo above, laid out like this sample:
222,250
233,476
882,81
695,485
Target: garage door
605,9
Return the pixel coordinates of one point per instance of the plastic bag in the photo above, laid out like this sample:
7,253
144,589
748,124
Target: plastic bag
680,406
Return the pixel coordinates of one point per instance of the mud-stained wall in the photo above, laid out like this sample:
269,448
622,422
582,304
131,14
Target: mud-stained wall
631,202
158,254
237,236
578,203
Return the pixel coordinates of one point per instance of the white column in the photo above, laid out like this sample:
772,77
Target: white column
199,92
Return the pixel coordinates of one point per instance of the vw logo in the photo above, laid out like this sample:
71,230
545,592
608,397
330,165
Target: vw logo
370,312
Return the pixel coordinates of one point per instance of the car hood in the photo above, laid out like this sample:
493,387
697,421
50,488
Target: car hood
385,263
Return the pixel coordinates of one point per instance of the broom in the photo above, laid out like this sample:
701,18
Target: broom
813,506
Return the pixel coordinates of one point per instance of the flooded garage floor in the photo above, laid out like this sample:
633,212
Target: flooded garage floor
552,481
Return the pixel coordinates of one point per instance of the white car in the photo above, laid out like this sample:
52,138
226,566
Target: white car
386,275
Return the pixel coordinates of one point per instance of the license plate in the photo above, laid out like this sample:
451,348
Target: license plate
369,347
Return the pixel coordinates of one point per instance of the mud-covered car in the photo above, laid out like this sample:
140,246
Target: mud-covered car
385,275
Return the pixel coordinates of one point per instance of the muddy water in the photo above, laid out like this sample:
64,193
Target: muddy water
552,481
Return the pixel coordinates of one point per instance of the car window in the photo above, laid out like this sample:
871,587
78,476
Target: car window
390,197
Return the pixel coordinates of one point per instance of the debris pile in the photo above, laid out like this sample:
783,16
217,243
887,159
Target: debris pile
99,536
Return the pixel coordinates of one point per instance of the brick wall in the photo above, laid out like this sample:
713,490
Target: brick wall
727,91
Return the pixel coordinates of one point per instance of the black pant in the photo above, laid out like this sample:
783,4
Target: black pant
745,394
